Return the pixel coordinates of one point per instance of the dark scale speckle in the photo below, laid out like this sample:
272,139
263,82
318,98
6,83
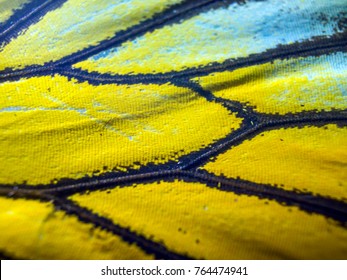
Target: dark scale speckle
342,24
323,18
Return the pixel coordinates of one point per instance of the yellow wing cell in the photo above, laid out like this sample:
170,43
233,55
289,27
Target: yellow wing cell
285,86
8,7
309,159
69,29
31,229
53,127
190,218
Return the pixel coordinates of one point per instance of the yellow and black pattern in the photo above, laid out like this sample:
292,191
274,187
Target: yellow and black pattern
173,129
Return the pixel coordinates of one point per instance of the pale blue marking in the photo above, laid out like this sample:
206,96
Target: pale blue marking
84,112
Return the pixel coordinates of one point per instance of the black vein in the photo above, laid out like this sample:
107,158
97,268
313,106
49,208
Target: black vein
5,256
30,14
149,246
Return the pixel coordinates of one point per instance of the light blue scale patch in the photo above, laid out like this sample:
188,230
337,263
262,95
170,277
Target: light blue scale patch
335,68
236,31
334,65
338,65
330,67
